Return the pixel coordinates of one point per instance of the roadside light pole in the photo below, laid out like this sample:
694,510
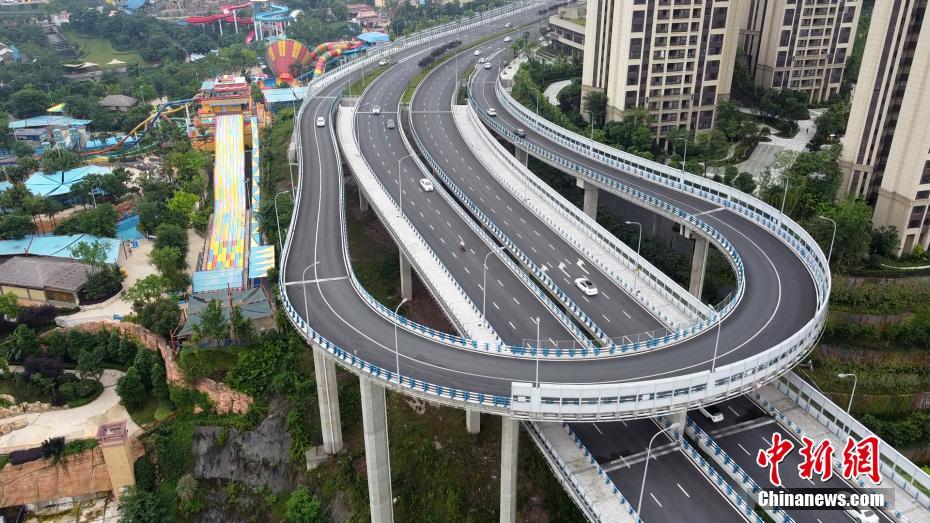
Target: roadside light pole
642,487
396,345
639,244
853,392
833,239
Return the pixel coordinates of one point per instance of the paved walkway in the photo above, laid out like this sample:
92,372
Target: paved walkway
552,92
764,153
77,423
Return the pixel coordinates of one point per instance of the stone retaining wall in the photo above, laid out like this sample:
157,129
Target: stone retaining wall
75,475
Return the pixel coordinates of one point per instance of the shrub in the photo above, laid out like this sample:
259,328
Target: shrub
130,389
18,457
144,472
37,316
303,507
142,506
80,392
48,368
185,399
160,316
21,344
53,447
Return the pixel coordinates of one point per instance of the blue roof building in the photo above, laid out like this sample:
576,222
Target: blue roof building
56,246
374,37
49,120
59,183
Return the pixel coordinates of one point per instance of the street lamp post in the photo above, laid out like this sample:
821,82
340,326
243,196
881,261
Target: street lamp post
400,187
484,287
684,159
536,353
833,239
639,243
713,362
784,196
853,393
396,345
642,487
277,219
591,116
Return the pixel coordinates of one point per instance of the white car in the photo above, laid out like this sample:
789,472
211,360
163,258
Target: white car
383,61
376,109
712,413
481,60
508,24
586,286
862,515
477,52
320,122
487,65
491,111
506,38
426,184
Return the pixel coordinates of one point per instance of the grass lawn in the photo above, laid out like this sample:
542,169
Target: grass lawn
23,390
99,50
145,413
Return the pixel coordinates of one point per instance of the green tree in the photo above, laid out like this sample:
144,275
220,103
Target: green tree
143,364
183,203
115,183
142,506
596,103
130,389
161,316
213,322
745,182
171,263
20,344
853,231
171,235
99,221
9,305
242,326
159,381
146,289
104,279
16,225
303,507
884,241
60,160
90,363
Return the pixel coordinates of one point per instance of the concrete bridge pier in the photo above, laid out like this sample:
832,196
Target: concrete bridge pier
472,421
328,398
521,154
377,453
510,444
698,265
362,201
591,193
406,278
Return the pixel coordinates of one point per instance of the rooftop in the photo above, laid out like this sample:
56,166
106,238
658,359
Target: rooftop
283,95
117,100
253,303
42,273
56,246
59,183
48,120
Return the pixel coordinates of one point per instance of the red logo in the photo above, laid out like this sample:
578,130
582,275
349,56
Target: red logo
817,459
774,455
861,459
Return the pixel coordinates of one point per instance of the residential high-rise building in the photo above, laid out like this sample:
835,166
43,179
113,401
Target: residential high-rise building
674,57
800,44
886,149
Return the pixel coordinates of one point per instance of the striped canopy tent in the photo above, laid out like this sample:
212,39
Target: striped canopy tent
287,57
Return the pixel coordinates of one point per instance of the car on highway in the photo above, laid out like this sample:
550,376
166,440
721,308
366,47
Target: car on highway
320,122
376,109
487,65
520,133
508,24
477,52
712,413
481,60
862,515
426,184
506,38
390,124
383,61
491,111
586,286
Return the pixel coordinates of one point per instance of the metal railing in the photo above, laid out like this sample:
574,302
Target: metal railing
894,466
600,472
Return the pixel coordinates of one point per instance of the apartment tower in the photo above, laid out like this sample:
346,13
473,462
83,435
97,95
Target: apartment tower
674,57
886,150
800,45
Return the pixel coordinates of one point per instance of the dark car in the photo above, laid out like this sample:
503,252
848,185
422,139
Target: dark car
520,132
390,124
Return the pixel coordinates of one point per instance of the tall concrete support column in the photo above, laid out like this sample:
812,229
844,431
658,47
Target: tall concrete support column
362,201
328,398
590,200
698,266
510,444
522,156
472,421
406,278
377,454
678,417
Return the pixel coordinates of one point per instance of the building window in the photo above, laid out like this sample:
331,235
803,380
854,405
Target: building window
639,21
636,48
922,195
785,38
719,19
925,176
632,75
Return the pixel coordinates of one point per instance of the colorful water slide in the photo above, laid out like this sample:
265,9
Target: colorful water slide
275,18
165,110
287,57
327,51
226,247
227,14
